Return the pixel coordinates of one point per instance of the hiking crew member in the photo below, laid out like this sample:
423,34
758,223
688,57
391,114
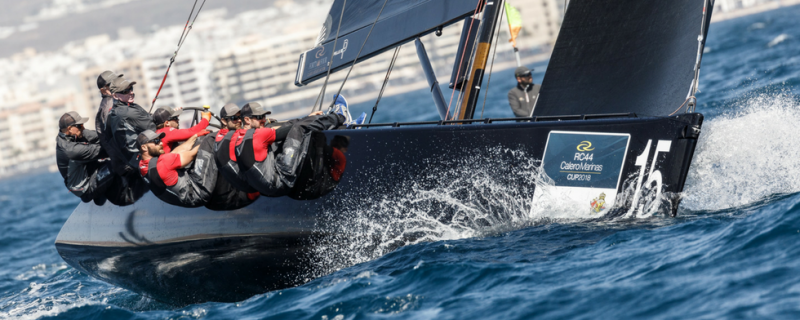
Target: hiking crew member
124,123
104,85
184,177
257,156
77,156
118,165
226,196
166,120
127,120
231,117
522,98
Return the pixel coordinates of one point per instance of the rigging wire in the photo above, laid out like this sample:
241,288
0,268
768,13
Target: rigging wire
321,96
463,94
491,66
357,55
184,35
460,61
385,81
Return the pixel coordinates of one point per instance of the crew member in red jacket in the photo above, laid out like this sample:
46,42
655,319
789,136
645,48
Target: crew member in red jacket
166,120
185,177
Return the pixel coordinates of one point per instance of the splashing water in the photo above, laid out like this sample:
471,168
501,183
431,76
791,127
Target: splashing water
483,195
746,155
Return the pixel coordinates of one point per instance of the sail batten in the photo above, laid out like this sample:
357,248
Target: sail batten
622,56
400,21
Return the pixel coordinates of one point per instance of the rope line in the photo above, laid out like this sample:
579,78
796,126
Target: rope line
321,96
460,61
184,35
491,66
385,81
357,55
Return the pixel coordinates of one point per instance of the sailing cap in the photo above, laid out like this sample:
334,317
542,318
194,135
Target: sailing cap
70,119
147,136
230,109
255,109
105,78
522,72
120,84
163,114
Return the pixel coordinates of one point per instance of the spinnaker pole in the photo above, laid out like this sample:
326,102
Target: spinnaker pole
472,88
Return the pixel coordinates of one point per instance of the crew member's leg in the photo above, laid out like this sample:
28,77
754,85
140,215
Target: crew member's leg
296,143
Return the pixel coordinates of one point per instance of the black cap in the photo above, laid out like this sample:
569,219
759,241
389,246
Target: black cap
163,114
105,78
70,119
254,109
120,84
228,110
147,136
522,72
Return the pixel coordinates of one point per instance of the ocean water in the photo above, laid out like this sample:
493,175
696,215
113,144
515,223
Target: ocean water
732,252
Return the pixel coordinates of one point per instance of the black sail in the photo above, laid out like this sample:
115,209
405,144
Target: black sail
400,21
622,56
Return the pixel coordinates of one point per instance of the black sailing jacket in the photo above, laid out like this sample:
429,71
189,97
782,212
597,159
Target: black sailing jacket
125,123
522,99
85,151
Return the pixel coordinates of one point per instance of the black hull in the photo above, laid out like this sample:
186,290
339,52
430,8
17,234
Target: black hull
182,256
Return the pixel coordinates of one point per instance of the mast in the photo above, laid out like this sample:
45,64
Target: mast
491,13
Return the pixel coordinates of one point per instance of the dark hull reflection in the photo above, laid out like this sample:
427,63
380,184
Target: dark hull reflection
181,255
219,269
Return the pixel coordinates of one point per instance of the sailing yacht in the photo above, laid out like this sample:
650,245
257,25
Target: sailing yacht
612,134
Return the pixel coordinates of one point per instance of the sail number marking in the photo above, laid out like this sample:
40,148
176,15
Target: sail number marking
654,176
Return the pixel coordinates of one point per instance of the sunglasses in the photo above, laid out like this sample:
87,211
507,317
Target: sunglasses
157,141
173,119
233,118
127,91
261,117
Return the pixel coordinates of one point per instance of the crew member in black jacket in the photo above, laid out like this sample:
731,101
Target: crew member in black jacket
126,121
522,98
78,156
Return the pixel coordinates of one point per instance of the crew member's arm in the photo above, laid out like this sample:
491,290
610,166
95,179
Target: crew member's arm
83,152
185,146
266,136
188,156
183,134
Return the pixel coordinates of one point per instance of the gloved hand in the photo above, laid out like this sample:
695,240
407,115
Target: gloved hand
206,115
202,133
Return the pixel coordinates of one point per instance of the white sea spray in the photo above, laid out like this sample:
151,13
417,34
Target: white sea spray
746,155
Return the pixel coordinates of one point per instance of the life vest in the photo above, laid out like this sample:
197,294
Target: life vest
261,175
229,168
184,193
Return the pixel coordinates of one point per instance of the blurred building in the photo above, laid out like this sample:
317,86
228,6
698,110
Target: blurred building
188,83
28,133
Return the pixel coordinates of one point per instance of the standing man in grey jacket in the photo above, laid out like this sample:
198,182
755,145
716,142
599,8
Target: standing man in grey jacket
522,98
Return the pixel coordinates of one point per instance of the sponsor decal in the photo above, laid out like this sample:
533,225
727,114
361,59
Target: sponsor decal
586,168
598,204
320,52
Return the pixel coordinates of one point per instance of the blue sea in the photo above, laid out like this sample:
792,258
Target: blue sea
733,251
